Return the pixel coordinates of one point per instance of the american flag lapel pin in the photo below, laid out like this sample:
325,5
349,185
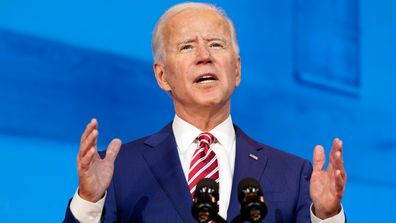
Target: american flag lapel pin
253,156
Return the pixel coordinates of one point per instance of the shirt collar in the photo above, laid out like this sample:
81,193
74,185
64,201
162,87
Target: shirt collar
185,133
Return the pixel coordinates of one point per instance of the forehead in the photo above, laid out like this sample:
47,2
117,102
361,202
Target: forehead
192,22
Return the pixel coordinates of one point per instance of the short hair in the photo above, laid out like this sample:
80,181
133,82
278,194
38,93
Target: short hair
158,33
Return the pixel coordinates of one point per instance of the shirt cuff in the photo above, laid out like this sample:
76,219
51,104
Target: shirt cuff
339,218
85,211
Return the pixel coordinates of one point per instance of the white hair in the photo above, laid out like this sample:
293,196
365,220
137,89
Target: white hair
158,33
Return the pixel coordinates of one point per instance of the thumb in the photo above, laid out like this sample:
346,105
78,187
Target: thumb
319,158
113,149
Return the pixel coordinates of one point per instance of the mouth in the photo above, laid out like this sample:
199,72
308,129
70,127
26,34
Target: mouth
205,78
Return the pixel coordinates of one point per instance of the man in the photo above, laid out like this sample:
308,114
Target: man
197,62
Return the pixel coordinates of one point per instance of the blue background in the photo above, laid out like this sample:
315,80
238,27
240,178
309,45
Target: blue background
64,62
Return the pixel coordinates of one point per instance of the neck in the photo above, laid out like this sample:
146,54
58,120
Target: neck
205,119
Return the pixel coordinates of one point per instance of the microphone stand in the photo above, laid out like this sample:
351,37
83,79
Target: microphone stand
219,219
237,219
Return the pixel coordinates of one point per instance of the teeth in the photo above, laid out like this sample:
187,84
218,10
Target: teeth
206,78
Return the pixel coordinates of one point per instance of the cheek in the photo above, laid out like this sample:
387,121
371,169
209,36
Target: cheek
176,78
182,71
231,70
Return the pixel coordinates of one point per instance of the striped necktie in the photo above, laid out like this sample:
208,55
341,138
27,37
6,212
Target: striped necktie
203,163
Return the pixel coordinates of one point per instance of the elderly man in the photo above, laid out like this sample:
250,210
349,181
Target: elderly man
153,178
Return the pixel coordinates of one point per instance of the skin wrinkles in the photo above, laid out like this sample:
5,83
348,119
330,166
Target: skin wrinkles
198,43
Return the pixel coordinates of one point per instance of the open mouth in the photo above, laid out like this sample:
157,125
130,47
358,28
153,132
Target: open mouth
206,78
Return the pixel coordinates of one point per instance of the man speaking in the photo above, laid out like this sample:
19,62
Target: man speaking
153,179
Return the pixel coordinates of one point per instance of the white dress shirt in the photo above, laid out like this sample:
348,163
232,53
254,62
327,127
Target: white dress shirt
185,136
224,147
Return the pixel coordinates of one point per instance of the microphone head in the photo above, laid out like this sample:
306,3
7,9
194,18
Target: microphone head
248,185
206,195
207,185
250,195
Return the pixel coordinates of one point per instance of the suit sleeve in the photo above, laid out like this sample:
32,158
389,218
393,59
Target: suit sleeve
109,214
69,218
304,199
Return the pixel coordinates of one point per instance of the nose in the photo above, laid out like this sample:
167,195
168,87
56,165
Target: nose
203,55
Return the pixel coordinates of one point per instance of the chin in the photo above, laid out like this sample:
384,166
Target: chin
213,99
214,102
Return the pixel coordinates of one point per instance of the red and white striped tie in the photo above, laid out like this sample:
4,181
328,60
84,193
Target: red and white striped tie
203,163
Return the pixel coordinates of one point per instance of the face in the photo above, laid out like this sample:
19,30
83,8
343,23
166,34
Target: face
200,69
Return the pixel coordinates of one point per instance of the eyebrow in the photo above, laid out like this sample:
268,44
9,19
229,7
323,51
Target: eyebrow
215,38
192,40
187,41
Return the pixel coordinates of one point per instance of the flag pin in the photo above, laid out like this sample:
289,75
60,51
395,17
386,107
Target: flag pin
253,157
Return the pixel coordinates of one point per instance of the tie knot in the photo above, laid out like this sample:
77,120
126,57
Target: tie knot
206,138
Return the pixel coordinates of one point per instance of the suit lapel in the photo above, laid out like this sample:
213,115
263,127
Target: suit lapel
246,165
164,162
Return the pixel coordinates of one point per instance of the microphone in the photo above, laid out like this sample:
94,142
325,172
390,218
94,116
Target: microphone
205,206
250,196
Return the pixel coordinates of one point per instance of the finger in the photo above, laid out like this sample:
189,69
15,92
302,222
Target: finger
113,149
319,158
336,160
339,182
93,124
86,160
89,142
336,147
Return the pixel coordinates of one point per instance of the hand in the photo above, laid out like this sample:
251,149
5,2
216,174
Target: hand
327,187
95,173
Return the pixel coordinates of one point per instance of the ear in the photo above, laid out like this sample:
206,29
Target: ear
160,76
238,71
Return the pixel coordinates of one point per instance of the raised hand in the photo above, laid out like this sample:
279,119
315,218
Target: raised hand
327,186
95,173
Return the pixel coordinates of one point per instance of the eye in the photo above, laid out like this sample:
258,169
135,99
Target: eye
185,48
216,45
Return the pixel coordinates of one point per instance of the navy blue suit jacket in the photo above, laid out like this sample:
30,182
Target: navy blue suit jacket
149,185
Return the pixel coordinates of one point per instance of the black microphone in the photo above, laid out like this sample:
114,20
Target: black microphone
205,206
250,196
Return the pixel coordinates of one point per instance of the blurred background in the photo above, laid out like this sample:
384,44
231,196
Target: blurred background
311,71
